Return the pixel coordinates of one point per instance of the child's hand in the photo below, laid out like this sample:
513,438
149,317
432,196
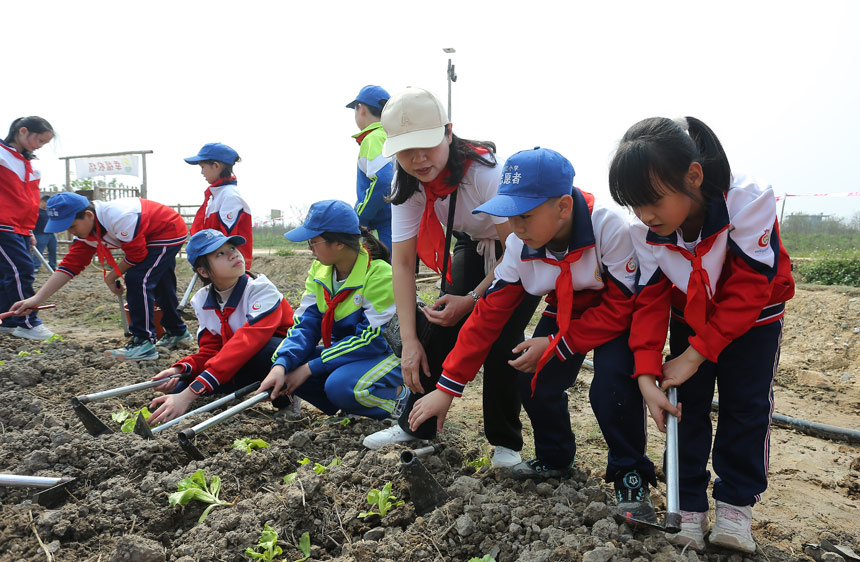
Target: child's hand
413,362
449,309
22,308
114,284
656,400
170,384
533,349
296,378
435,403
170,406
275,381
678,370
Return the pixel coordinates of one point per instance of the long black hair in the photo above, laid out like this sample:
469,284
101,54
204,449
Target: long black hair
376,249
226,169
461,150
663,149
33,124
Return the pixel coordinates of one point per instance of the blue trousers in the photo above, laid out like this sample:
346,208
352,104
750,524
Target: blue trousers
615,400
48,241
153,280
365,388
16,277
743,374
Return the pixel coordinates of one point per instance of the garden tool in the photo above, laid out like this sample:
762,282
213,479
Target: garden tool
94,425
672,521
53,490
185,297
425,491
42,259
186,436
42,307
122,311
141,427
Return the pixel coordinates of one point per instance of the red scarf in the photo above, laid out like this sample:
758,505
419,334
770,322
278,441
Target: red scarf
200,216
224,317
331,304
699,291
105,257
431,237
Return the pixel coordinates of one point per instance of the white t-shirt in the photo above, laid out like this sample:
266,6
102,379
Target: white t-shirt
479,185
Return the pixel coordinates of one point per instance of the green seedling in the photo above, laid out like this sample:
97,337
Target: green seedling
304,546
344,422
247,444
322,469
55,337
2,363
195,488
480,462
291,477
128,419
268,543
484,558
381,499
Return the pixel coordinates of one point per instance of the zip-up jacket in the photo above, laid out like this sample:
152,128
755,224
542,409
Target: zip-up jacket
19,192
358,320
603,288
131,225
375,172
227,212
254,313
747,267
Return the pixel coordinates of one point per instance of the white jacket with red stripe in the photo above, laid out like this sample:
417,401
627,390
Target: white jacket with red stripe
255,312
748,269
131,225
227,212
19,192
603,287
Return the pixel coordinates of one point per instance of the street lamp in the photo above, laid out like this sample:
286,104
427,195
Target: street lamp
452,77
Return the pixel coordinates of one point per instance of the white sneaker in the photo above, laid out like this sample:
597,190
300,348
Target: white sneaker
505,458
390,436
39,332
732,528
694,525
7,329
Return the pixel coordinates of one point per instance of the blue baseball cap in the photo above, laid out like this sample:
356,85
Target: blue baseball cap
326,216
215,151
373,96
62,208
208,240
529,178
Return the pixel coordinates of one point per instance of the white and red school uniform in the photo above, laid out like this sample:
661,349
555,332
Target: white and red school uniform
226,211
255,312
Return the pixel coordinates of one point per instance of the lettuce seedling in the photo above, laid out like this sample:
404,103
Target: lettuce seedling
247,444
479,462
268,543
128,419
304,546
55,337
195,488
484,558
382,499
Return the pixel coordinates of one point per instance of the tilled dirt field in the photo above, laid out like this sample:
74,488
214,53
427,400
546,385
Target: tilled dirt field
118,507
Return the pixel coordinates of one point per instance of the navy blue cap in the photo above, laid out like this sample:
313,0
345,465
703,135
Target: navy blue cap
373,96
62,208
215,151
529,178
330,215
208,240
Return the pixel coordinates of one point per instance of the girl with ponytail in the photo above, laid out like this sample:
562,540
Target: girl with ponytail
714,274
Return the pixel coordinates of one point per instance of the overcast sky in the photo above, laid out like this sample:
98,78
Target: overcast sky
778,81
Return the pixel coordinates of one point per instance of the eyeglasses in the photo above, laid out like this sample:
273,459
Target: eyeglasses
312,244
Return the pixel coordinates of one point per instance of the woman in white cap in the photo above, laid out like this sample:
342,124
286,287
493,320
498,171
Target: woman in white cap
433,164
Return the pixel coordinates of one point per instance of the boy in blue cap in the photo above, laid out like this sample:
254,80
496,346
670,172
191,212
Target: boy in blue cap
580,256
375,171
348,300
223,208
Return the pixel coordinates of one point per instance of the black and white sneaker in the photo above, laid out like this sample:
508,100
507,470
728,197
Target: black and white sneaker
535,469
633,497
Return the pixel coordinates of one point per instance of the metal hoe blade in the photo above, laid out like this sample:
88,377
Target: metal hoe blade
186,437
54,489
94,426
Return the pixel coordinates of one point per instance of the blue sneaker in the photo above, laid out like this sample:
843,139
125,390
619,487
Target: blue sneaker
171,341
135,350
400,402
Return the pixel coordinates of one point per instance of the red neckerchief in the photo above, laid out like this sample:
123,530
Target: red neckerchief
698,286
361,137
431,238
224,317
331,304
200,216
103,253
564,295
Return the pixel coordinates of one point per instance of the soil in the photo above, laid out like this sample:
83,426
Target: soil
117,508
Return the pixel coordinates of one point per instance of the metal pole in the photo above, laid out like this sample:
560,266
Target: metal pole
143,178
450,69
782,208
672,496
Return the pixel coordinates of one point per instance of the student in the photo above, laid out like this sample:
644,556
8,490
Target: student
223,209
44,239
150,235
374,169
433,166
19,211
709,252
243,318
578,253
347,302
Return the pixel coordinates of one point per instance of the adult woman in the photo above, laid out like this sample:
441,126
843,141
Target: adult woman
432,165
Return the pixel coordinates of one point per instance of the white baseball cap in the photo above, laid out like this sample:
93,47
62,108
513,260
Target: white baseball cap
413,118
